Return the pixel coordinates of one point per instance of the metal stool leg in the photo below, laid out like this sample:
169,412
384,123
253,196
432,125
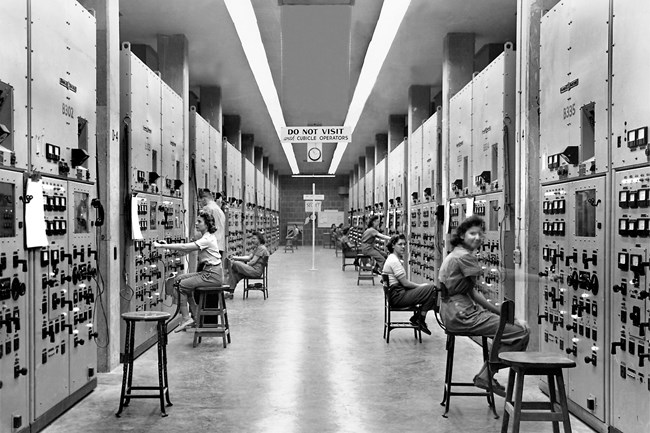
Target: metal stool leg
161,381
486,358
125,369
129,380
451,344
164,354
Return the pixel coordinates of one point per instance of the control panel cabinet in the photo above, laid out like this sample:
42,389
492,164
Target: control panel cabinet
66,275
572,281
14,311
140,105
81,284
173,167
573,90
63,78
630,300
13,85
460,142
630,119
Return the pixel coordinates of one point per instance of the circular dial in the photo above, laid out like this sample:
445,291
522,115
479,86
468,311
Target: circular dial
314,154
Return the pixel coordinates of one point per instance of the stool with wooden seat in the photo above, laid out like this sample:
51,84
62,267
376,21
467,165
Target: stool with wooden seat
262,284
389,324
449,369
162,389
538,364
218,327
365,268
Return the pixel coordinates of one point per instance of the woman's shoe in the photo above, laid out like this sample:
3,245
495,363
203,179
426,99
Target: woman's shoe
497,388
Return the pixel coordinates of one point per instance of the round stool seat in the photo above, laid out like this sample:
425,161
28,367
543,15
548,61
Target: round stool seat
146,316
536,360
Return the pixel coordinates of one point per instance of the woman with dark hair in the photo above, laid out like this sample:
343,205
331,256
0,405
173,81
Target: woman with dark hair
403,292
249,266
464,308
209,265
367,244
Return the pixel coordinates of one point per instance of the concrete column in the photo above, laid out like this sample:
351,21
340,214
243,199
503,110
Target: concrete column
419,107
362,191
527,161
276,186
147,54
381,147
396,130
457,70
232,129
257,162
419,110
248,146
210,98
270,200
265,173
109,129
381,157
355,183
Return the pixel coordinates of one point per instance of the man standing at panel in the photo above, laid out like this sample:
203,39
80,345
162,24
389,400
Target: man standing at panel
214,208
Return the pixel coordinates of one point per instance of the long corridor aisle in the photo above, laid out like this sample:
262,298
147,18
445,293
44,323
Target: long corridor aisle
310,358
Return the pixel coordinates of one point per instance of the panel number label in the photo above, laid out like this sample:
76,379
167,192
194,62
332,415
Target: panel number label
569,111
67,110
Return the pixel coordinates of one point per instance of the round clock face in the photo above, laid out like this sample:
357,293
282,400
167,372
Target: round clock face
314,154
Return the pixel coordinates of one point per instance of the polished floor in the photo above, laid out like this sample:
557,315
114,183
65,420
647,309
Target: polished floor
310,358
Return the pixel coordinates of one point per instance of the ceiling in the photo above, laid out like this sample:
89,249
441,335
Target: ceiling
324,48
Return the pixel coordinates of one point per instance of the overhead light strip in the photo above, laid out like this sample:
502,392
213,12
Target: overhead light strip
390,18
243,16
313,175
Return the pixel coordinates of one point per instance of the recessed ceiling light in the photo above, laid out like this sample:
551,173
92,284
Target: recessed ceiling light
391,16
243,16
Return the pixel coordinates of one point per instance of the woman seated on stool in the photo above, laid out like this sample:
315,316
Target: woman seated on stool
209,261
464,308
367,244
402,292
251,266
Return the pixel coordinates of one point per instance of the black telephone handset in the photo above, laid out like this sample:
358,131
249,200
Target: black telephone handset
99,221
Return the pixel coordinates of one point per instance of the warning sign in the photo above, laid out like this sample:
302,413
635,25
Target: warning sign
321,134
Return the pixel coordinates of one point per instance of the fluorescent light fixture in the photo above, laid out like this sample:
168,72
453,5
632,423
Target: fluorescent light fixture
391,16
313,175
243,16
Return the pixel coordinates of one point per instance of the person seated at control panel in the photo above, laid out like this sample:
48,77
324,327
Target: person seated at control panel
251,266
464,308
404,293
346,244
368,244
209,265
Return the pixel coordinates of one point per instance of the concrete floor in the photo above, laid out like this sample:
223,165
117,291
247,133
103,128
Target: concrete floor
311,358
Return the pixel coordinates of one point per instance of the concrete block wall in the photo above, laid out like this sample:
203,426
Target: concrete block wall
292,204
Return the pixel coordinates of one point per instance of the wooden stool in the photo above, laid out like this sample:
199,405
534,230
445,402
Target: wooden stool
131,318
449,370
365,268
262,286
538,364
218,328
